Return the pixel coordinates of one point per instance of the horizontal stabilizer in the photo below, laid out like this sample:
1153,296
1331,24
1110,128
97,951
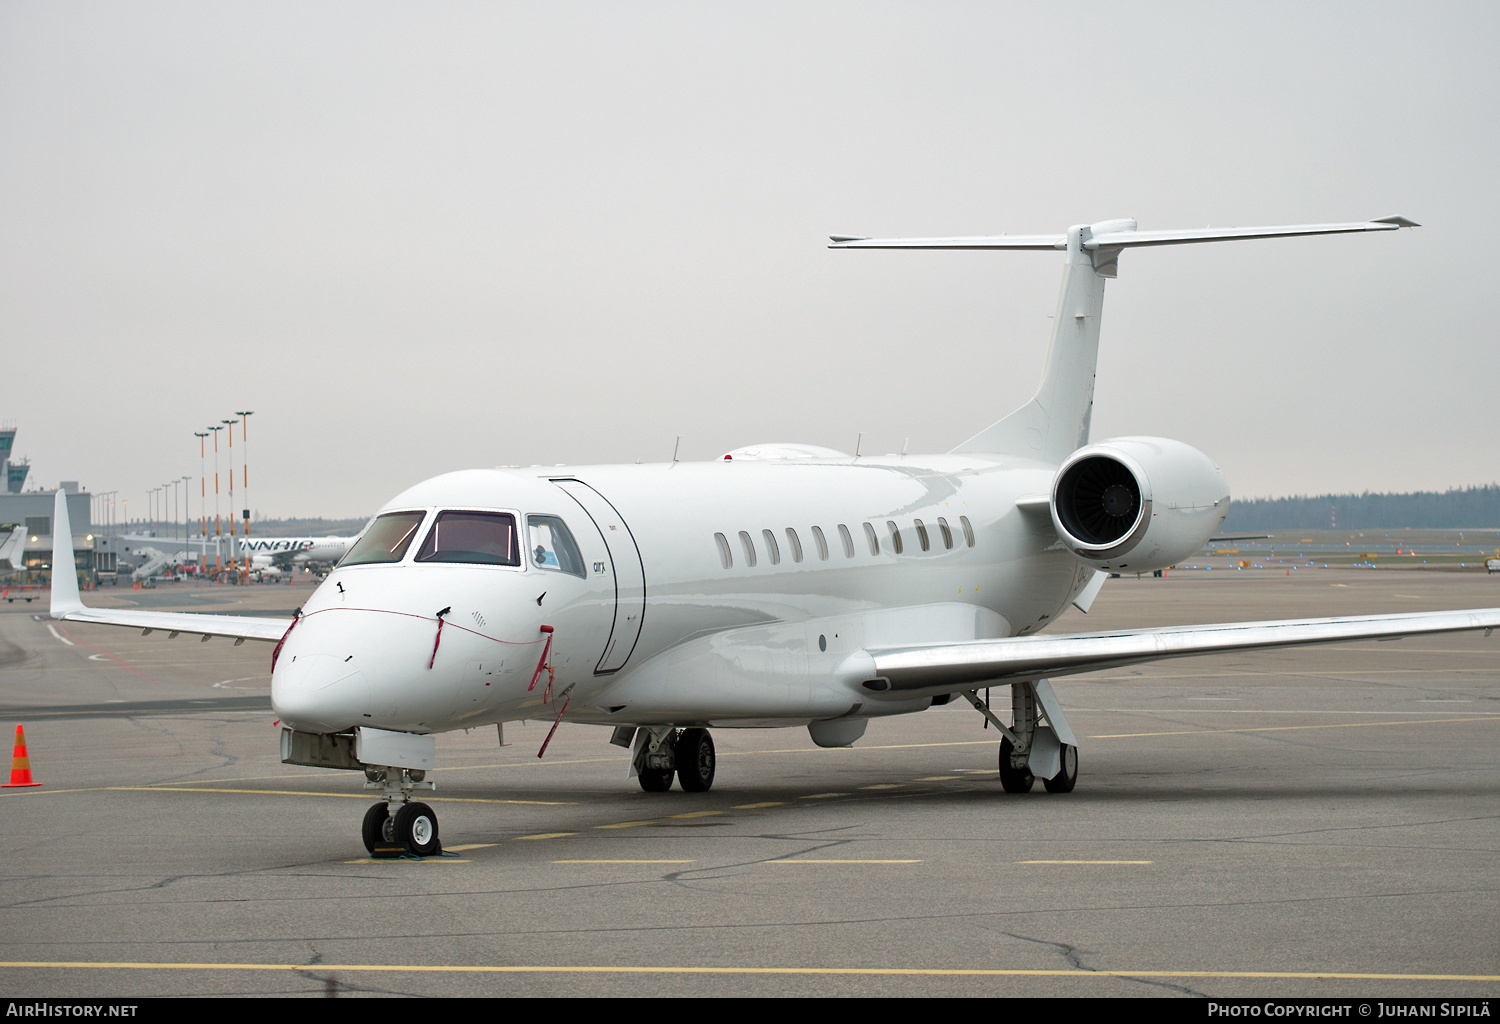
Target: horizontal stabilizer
1122,239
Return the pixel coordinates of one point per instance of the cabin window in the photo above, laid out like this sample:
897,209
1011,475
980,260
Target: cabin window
726,557
890,524
795,543
472,538
749,546
847,541
386,540
968,530
817,532
773,552
947,533
922,535
873,539
552,546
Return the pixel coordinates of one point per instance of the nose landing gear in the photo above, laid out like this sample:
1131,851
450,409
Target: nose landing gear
396,826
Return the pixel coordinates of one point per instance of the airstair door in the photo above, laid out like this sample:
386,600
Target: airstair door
625,568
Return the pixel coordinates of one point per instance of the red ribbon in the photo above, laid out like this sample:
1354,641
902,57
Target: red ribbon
558,721
296,617
542,664
439,638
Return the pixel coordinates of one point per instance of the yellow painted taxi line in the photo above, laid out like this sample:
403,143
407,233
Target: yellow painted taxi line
629,824
821,796
1085,862
548,835
341,796
816,860
1294,728
696,814
756,807
624,862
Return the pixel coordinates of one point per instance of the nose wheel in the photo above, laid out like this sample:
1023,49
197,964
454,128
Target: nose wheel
412,830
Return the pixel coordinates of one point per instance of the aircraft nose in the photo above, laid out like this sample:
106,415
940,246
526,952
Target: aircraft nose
318,692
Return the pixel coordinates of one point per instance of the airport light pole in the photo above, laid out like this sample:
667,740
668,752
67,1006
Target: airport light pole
230,424
218,529
187,498
244,416
203,499
173,531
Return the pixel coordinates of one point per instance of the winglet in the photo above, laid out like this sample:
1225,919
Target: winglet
65,597
1400,222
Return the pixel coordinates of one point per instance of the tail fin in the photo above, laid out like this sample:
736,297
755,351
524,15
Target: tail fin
1055,423
64,570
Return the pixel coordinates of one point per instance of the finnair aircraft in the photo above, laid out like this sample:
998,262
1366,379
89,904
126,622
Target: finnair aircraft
782,585
266,552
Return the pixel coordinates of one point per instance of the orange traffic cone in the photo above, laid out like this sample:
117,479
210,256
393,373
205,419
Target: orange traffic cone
20,764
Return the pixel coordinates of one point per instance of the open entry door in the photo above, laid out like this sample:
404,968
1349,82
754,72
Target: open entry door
628,572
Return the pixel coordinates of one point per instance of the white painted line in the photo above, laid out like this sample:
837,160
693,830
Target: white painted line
53,630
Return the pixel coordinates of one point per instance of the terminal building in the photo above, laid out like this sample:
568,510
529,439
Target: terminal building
32,511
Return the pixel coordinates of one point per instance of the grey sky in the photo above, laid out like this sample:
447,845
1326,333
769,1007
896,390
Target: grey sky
422,237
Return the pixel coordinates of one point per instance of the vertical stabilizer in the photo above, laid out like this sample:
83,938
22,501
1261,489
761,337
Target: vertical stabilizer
64,571
1055,423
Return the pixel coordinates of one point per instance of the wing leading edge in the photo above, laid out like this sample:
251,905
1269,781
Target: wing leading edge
971,663
68,606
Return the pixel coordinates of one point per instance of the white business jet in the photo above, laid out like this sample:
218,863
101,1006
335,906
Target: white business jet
782,585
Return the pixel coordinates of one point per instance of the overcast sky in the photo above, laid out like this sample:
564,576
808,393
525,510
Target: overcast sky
423,237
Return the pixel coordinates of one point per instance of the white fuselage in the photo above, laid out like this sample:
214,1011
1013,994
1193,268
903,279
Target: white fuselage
672,635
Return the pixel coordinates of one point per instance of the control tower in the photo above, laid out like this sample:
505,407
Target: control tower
15,469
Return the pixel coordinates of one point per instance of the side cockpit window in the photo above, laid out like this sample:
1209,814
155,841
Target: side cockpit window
386,540
475,538
552,546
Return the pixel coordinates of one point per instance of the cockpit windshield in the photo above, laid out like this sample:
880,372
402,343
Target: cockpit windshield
476,538
386,540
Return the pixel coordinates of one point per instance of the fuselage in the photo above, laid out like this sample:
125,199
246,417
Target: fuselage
732,593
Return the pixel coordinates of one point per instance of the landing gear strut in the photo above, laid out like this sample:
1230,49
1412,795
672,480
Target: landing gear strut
396,826
1030,749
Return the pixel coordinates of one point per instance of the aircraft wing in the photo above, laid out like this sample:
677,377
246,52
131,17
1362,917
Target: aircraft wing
241,627
69,607
966,664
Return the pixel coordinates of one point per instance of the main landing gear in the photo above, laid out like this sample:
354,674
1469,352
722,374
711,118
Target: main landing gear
396,826
662,752
1030,749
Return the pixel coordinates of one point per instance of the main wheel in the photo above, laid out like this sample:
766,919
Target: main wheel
656,780
1067,776
1014,780
417,830
694,752
377,823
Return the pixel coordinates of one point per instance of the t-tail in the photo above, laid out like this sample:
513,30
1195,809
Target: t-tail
1055,423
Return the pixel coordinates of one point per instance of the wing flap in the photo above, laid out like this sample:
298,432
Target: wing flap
966,664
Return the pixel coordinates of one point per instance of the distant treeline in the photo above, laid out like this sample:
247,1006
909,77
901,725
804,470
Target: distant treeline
1457,509
308,527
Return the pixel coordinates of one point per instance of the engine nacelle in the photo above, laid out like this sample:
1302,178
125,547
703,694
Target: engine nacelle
1137,503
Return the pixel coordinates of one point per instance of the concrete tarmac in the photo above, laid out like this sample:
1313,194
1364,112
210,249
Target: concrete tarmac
1319,822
